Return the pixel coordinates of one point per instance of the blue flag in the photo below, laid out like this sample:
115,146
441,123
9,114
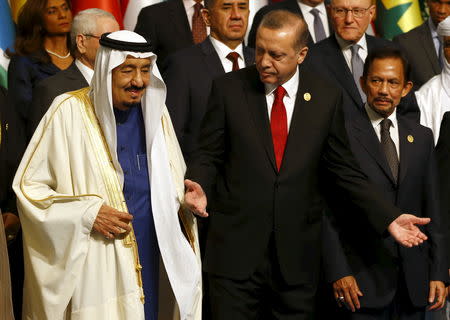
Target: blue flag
7,35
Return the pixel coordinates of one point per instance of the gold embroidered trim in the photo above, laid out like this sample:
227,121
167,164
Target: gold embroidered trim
108,173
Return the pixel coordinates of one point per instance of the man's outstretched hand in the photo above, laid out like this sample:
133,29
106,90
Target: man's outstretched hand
195,198
404,230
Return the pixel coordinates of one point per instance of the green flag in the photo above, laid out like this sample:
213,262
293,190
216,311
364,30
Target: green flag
397,16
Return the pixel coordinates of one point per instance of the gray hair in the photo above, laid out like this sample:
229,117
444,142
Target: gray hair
85,22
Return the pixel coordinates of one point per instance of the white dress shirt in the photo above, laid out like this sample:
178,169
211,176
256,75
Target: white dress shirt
309,18
85,70
223,50
376,119
347,51
189,7
291,87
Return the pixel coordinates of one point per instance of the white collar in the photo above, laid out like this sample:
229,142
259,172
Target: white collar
344,44
223,50
291,86
85,70
376,119
305,8
190,4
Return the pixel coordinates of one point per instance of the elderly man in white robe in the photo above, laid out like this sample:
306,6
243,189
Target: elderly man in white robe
434,96
100,193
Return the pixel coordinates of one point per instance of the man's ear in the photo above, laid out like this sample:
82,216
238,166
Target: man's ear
407,88
302,54
80,39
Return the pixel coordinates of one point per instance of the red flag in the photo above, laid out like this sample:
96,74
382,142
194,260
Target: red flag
112,6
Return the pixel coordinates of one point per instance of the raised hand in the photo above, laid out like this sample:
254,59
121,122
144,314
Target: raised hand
404,230
195,198
111,222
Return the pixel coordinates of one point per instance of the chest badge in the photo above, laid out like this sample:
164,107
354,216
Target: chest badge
307,96
410,138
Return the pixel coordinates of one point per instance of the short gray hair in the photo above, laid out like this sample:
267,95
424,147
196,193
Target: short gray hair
85,22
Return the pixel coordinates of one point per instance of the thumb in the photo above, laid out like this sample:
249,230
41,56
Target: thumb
189,183
420,221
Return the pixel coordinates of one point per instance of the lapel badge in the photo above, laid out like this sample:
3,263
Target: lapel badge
410,138
307,96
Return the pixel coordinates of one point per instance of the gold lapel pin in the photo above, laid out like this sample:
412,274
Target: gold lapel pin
307,96
410,138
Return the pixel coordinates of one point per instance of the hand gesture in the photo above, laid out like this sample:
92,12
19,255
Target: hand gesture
195,198
404,230
346,292
437,295
111,222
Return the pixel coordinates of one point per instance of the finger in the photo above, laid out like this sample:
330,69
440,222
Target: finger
348,300
189,184
420,221
432,293
200,213
354,296
358,290
124,216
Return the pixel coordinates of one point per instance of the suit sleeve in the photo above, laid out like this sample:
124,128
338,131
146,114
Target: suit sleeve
351,189
443,161
178,96
210,155
335,263
437,228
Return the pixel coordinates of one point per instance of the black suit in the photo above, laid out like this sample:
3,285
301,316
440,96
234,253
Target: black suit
380,265
326,57
188,76
419,48
48,89
290,5
165,25
251,204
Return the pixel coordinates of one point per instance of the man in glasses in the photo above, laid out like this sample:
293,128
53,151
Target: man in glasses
87,27
341,56
426,59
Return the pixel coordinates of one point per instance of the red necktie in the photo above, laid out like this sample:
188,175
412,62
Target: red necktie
278,125
233,57
198,25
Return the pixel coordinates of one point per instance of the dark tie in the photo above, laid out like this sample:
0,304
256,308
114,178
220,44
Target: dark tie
319,30
278,125
233,57
389,147
357,69
198,25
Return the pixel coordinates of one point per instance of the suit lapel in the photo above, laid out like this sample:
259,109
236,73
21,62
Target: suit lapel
249,56
179,20
256,101
212,59
336,62
406,147
75,74
367,138
428,47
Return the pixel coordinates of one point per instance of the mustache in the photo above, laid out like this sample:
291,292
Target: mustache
382,99
134,88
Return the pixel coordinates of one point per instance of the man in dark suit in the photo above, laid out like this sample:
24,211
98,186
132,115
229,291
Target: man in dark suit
334,57
424,58
372,275
168,26
190,72
87,27
310,10
272,140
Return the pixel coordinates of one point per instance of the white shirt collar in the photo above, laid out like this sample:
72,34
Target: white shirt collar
291,86
344,44
190,4
305,8
223,50
376,119
85,70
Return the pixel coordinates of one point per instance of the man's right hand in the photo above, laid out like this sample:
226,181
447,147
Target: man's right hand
346,292
195,198
111,222
405,231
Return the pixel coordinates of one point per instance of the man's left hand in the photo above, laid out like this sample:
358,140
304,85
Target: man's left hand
404,230
437,295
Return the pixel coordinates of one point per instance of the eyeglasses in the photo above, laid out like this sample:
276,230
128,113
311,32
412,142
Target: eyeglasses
357,12
91,35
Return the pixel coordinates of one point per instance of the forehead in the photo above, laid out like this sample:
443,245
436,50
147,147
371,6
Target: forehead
131,61
351,3
219,3
392,66
55,3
